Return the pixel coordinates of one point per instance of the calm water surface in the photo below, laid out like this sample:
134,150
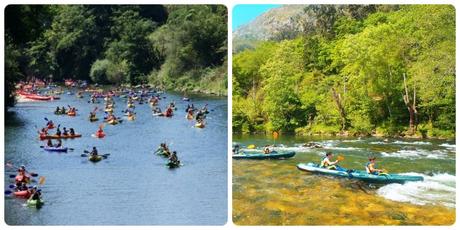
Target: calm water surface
132,186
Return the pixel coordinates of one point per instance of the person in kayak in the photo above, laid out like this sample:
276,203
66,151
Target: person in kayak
59,143
58,131
21,187
328,163
50,124
173,157
63,110
44,132
199,116
93,152
35,194
49,143
21,177
58,110
92,115
236,149
371,167
100,132
169,111
267,149
72,132
65,132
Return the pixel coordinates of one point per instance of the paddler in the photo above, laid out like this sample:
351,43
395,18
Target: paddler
328,163
173,157
49,143
371,167
267,149
50,124
21,177
72,132
93,152
100,132
58,131
63,110
35,194
65,132
22,186
58,110
59,143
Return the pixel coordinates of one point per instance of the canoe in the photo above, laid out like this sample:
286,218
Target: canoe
95,158
261,156
59,137
22,194
35,203
55,149
199,125
360,175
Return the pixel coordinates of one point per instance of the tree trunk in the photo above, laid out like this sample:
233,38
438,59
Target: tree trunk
411,107
338,102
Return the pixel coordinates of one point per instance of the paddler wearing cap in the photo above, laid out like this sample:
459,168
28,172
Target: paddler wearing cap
371,167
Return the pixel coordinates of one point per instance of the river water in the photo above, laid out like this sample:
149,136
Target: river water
275,192
132,186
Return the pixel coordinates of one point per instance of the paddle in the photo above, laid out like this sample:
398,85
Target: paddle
71,149
13,176
103,155
340,158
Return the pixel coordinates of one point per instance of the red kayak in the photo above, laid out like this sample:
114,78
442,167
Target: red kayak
59,137
22,194
72,114
99,135
37,97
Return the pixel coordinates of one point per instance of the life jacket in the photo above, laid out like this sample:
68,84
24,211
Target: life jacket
368,169
324,163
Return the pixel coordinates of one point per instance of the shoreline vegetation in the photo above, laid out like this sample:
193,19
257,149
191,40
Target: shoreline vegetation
172,47
348,70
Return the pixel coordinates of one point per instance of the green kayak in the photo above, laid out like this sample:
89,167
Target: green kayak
382,178
95,158
261,156
35,203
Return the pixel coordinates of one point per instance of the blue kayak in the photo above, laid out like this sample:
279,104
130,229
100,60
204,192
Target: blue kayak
382,178
55,149
261,155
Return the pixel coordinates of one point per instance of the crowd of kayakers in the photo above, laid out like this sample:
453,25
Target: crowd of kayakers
54,140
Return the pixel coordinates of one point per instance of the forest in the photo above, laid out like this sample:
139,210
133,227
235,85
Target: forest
173,47
378,70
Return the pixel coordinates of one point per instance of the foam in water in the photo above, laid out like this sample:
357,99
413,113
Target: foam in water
438,189
449,146
412,143
419,153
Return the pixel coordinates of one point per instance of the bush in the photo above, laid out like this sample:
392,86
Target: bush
98,72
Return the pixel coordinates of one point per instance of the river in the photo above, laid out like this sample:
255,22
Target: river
132,186
275,192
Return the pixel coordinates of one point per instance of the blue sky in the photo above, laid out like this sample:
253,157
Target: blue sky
244,13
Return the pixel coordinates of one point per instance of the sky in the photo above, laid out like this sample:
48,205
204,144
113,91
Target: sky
244,13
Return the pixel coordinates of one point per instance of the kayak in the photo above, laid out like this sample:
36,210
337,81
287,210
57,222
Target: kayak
112,122
199,125
173,164
130,105
93,119
55,149
99,135
22,194
72,114
59,137
109,110
60,113
382,178
260,156
189,117
35,203
131,118
186,99
95,158
158,114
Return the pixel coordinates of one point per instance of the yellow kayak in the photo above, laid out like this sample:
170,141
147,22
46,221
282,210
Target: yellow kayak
131,118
